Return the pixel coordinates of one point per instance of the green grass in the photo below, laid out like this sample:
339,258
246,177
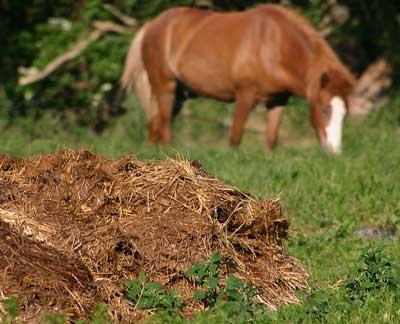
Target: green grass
326,198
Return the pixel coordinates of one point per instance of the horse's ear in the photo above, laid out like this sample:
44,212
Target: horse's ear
324,80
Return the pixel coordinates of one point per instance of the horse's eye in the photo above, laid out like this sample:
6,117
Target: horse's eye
325,110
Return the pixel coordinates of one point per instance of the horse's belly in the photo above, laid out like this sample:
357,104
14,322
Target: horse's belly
207,80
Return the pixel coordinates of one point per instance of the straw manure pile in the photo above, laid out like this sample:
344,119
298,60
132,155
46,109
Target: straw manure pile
75,226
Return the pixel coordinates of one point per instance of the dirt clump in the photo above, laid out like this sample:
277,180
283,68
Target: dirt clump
75,226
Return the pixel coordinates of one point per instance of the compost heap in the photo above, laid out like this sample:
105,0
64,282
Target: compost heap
75,226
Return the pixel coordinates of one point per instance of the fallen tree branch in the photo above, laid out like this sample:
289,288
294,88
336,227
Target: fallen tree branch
379,70
370,89
109,26
101,28
129,21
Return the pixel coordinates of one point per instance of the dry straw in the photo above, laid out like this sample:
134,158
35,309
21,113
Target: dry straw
75,226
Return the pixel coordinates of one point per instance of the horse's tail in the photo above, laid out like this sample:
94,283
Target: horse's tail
135,74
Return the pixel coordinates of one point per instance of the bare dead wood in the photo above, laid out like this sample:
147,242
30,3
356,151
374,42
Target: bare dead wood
370,89
334,14
101,28
128,21
378,70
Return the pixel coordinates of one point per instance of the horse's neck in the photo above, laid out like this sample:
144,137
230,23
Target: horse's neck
313,78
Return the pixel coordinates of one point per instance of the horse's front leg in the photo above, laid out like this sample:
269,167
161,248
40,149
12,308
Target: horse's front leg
274,117
245,102
154,129
165,95
166,112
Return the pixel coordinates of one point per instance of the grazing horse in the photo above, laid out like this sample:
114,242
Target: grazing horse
262,55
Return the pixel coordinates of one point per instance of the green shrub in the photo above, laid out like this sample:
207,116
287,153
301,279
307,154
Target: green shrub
376,272
147,295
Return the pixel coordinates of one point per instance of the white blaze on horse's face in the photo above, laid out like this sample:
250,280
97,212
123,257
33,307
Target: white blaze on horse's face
334,128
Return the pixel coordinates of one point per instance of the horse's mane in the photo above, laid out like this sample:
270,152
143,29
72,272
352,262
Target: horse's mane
326,57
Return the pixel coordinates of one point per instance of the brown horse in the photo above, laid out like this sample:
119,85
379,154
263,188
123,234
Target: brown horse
262,55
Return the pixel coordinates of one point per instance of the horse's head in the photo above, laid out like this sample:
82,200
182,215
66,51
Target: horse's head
329,107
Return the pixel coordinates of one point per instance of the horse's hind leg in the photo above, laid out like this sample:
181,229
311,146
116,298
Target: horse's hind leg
245,102
274,116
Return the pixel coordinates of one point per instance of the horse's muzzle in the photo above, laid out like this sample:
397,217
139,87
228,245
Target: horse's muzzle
329,148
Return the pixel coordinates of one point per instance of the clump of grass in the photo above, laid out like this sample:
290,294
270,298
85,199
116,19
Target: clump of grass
11,310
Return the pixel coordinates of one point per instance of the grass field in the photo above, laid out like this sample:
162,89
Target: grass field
327,199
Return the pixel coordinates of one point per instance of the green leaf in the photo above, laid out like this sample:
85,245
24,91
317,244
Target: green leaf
153,286
134,290
216,258
233,282
142,278
199,295
213,282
